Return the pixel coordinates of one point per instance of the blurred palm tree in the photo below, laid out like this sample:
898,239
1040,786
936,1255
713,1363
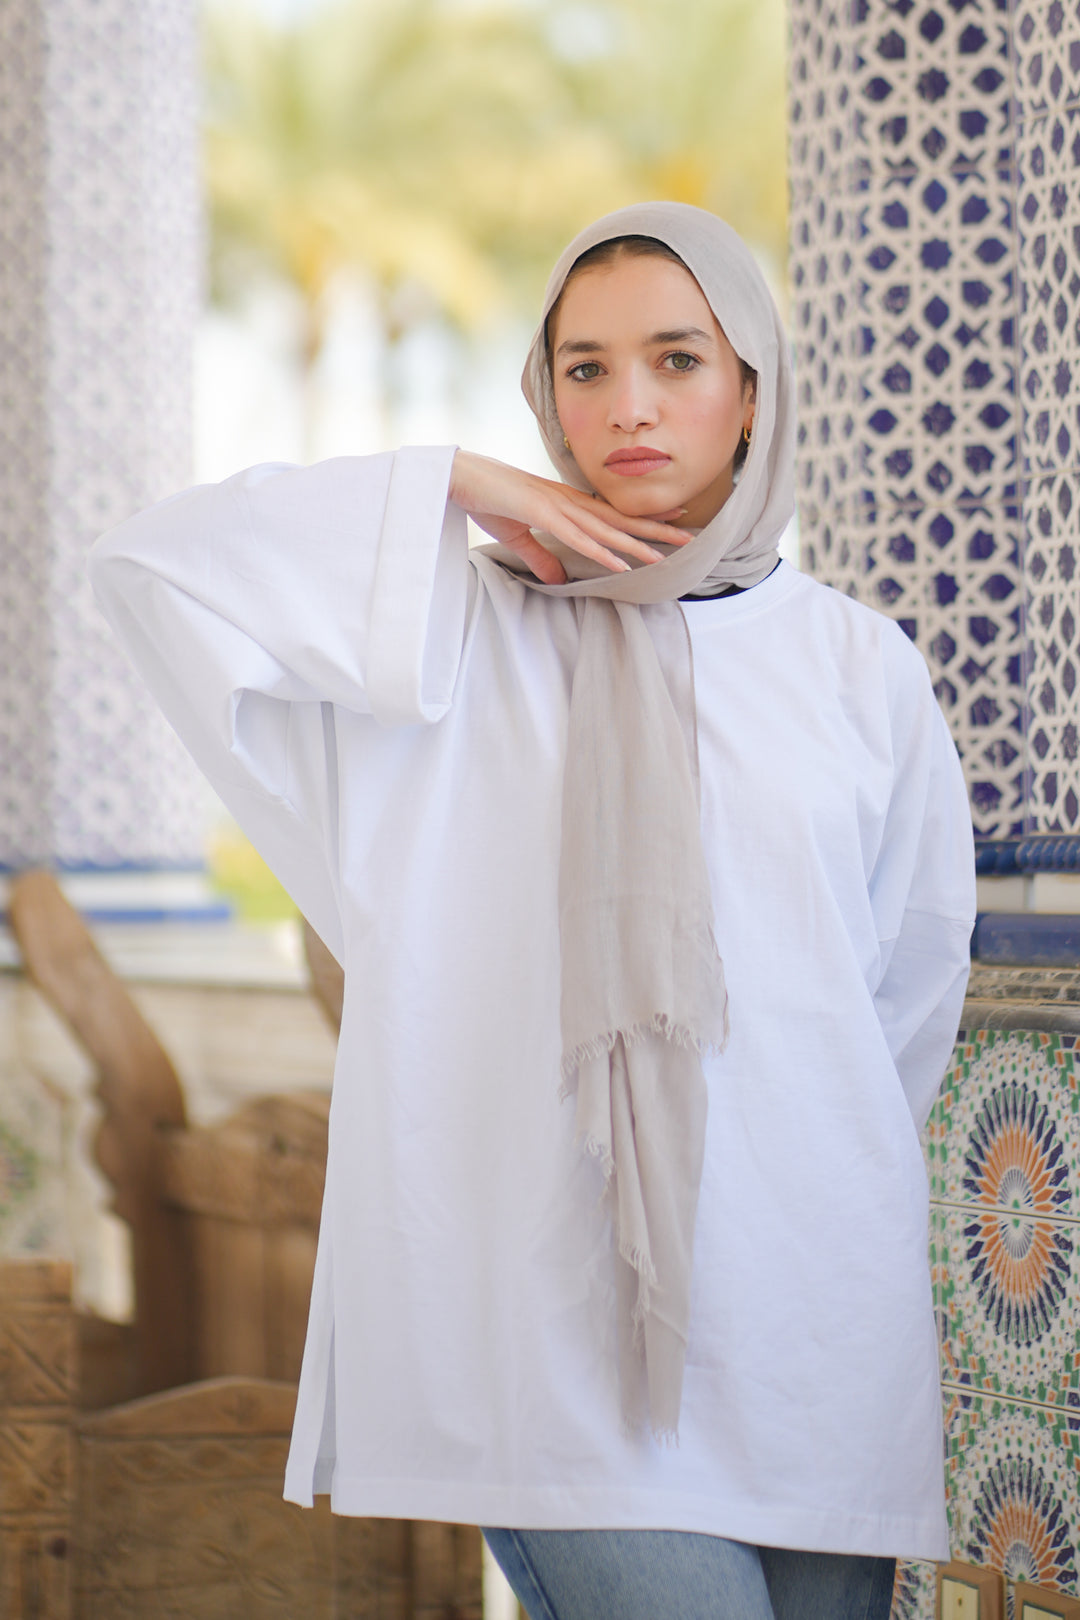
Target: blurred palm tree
438,152
694,92
448,151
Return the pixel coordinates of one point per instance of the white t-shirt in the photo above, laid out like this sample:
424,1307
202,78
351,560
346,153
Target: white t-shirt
386,716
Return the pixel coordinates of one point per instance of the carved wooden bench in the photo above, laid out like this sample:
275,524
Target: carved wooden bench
169,1503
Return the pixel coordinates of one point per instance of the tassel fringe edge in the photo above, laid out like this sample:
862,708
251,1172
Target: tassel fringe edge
659,1024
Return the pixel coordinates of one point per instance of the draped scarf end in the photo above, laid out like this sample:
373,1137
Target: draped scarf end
659,1024
632,1428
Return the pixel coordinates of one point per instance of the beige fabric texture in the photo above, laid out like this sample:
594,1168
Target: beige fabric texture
642,984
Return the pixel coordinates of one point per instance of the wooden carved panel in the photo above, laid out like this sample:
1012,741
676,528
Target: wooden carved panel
181,1518
35,1470
35,1574
37,1356
37,1385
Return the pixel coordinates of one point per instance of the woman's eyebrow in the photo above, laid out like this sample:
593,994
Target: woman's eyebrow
681,334
678,334
580,346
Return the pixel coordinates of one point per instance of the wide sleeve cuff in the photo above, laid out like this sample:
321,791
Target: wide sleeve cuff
419,593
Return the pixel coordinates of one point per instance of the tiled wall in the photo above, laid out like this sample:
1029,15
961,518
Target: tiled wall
935,166
935,163
99,287
1003,1150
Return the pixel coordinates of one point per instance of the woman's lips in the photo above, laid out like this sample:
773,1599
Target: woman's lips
632,463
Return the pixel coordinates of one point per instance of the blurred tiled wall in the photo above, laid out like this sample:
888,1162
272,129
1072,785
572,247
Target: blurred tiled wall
99,287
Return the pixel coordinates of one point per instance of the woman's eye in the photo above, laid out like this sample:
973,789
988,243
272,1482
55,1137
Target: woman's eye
682,362
586,371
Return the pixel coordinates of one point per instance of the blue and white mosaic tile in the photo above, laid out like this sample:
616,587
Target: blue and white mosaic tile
935,280
1048,211
99,289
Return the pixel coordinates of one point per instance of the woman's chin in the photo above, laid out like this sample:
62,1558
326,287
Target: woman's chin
635,501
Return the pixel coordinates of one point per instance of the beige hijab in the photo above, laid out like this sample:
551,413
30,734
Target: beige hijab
643,996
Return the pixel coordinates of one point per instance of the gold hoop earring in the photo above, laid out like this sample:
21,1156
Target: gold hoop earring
746,435
566,441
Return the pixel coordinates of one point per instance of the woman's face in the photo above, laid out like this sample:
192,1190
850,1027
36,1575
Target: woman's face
648,389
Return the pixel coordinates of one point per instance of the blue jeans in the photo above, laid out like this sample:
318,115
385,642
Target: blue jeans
674,1575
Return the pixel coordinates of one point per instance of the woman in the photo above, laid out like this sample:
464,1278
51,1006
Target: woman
623,808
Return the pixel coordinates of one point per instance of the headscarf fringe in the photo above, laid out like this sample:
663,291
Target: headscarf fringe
596,1149
660,1024
633,1429
641,1262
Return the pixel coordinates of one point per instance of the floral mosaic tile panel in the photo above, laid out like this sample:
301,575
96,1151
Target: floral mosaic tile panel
914,1594
1004,1132
1003,1154
1007,1298
1012,1488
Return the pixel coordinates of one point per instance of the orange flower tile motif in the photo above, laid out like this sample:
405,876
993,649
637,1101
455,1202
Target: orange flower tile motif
1005,1130
1012,1482
1019,1526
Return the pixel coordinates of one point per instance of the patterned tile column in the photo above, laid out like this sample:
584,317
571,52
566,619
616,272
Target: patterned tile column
1046,51
99,283
935,167
935,163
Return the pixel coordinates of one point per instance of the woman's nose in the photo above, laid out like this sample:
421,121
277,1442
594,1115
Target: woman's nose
632,402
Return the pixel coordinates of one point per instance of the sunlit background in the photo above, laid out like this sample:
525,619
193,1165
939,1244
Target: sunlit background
389,182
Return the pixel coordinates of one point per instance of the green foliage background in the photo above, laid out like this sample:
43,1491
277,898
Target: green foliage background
455,148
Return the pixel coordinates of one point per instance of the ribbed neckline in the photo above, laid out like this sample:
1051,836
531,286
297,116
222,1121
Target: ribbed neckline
747,603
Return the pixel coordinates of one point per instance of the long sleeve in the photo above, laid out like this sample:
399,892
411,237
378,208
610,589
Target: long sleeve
258,609
923,891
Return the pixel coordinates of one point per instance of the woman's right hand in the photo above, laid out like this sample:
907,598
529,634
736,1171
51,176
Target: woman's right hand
509,504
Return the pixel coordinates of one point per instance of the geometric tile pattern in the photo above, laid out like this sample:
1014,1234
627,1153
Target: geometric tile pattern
1048,215
99,289
935,278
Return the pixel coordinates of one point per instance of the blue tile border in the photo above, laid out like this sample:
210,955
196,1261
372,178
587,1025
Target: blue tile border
1049,852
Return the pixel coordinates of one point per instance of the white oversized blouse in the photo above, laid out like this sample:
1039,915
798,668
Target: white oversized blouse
386,717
